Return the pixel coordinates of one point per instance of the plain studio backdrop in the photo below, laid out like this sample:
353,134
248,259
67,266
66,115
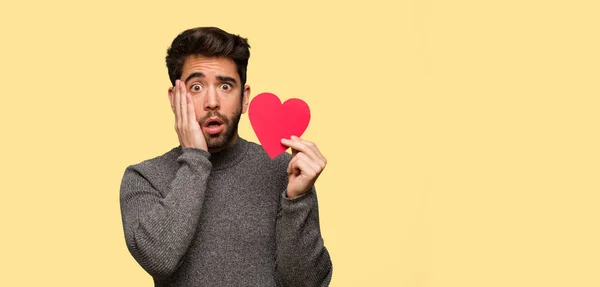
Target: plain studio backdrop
462,136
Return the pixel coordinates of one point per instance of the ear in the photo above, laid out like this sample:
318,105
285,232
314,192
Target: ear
245,100
171,95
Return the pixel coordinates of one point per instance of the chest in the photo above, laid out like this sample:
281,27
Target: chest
241,206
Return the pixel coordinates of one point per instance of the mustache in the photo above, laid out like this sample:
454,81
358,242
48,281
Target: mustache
213,114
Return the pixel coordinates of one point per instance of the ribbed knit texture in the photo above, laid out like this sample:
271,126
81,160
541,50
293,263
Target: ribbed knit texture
192,218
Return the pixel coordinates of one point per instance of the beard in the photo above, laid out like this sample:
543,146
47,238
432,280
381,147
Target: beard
222,139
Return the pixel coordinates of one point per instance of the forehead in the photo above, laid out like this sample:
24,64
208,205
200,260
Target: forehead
210,66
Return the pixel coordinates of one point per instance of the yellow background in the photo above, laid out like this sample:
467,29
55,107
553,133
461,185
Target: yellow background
462,136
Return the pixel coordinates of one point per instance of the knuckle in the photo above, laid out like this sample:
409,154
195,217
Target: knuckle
322,165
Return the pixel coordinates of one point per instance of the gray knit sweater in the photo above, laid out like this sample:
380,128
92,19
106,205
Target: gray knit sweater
192,218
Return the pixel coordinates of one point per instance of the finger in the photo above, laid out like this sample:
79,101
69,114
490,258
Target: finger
183,108
177,105
315,168
302,146
292,165
190,109
306,168
316,150
320,159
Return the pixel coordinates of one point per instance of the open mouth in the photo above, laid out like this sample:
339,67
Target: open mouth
213,125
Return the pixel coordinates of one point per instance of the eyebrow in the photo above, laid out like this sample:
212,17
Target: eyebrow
194,75
220,78
226,79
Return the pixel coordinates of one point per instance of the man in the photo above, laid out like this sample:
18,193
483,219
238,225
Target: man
216,210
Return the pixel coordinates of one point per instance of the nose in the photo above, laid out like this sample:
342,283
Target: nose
211,102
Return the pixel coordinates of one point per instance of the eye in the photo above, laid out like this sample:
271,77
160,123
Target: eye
226,87
196,88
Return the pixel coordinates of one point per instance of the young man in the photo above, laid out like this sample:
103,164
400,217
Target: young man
216,210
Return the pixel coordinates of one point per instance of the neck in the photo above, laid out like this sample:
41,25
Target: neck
230,154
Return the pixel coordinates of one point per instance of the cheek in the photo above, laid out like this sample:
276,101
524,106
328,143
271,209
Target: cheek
231,104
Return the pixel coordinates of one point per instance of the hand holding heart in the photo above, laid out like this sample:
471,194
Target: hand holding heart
304,168
274,124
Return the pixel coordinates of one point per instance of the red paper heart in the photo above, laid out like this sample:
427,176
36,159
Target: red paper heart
273,121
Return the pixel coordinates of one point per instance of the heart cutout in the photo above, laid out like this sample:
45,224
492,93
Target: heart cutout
272,121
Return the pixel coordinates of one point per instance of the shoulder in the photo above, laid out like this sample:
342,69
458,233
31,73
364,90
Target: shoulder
157,166
154,173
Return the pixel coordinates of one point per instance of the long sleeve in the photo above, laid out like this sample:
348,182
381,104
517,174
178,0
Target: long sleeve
302,259
159,228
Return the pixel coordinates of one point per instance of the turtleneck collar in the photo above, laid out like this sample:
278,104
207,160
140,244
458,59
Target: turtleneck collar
230,156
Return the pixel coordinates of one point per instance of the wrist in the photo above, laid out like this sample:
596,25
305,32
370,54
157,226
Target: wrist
291,195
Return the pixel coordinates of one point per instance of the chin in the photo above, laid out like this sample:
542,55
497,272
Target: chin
219,142
222,140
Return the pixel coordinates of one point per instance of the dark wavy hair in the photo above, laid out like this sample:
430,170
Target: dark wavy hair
208,42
